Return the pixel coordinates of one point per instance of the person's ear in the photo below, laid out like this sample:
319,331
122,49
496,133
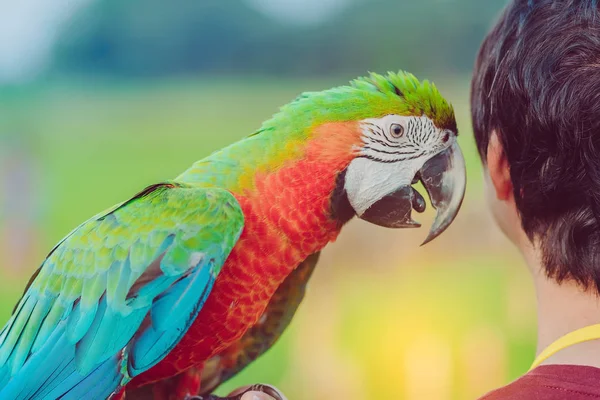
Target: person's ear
499,169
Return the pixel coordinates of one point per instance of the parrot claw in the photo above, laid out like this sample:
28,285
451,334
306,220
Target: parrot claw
237,395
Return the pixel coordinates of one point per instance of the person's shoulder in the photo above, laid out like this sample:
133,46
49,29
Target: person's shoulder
524,389
552,382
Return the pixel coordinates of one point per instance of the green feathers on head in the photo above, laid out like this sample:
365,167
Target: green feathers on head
372,96
418,97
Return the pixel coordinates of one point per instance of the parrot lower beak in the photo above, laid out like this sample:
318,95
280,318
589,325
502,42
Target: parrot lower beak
444,178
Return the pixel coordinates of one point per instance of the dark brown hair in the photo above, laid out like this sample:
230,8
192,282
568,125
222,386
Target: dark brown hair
537,84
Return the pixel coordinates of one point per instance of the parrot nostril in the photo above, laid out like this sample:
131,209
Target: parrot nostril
446,137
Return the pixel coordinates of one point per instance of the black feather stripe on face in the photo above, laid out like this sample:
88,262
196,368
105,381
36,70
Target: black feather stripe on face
340,207
421,138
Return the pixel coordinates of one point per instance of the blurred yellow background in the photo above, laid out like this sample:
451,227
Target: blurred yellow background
108,98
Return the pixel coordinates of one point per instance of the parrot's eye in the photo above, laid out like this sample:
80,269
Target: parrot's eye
396,130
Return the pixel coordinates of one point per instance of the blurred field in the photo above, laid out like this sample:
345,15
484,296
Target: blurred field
383,318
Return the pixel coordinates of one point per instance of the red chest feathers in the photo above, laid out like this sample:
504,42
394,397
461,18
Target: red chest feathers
287,218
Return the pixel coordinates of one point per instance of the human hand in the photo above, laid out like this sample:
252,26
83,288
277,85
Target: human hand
253,392
259,392
256,396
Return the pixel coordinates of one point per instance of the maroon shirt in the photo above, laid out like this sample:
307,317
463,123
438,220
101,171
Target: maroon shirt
552,382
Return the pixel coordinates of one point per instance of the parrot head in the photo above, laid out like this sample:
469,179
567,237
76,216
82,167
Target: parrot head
414,141
398,152
403,132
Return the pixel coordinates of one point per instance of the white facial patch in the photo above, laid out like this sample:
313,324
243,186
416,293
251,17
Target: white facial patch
394,149
368,181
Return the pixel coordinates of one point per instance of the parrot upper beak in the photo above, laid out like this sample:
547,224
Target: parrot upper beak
444,178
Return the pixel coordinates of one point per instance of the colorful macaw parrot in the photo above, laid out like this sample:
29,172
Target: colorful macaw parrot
175,290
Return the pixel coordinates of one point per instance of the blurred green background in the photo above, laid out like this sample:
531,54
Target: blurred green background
99,98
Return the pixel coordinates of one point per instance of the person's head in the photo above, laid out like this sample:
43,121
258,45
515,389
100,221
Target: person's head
535,101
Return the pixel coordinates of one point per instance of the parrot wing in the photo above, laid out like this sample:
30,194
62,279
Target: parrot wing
118,293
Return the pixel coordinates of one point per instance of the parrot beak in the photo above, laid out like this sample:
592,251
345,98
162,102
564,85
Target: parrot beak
444,178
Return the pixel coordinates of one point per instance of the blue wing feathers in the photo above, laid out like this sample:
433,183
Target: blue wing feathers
4,375
171,316
15,327
56,314
39,368
181,302
64,375
98,384
118,284
80,321
23,347
109,333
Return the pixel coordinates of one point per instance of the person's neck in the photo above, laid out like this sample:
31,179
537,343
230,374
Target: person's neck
564,308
